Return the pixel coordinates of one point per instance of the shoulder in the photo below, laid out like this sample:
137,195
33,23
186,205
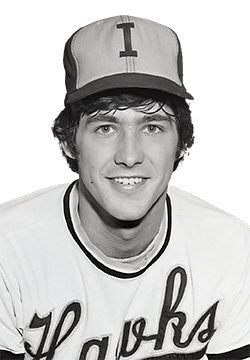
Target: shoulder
187,205
210,239
32,208
207,219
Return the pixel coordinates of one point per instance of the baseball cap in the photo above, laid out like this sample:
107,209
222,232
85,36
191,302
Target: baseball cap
123,52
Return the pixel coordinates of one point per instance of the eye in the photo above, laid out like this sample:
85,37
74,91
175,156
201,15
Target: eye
105,129
152,129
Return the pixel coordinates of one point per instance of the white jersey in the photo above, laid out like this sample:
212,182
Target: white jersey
186,297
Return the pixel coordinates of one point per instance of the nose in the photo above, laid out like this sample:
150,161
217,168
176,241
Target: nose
129,152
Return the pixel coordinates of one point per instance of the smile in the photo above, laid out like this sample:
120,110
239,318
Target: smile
128,181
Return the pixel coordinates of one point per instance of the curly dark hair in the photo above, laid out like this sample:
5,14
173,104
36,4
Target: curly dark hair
66,124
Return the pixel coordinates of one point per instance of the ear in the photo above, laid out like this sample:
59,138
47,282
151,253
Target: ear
68,150
182,151
179,158
181,155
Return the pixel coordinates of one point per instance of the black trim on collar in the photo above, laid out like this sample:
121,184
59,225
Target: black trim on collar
96,262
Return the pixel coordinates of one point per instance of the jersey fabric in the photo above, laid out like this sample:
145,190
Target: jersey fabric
187,296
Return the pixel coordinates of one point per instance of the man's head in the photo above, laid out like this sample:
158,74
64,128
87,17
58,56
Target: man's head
66,124
126,123
117,55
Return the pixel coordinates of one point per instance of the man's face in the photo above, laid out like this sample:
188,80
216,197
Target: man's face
126,160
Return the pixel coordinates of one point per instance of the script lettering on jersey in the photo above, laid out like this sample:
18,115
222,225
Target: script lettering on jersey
73,309
135,333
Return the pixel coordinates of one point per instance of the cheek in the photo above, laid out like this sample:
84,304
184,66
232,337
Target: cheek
86,163
165,152
91,163
165,160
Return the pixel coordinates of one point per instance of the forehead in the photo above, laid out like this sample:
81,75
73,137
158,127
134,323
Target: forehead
142,100
150,108
129,117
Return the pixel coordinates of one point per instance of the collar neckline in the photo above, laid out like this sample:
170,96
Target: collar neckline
121,268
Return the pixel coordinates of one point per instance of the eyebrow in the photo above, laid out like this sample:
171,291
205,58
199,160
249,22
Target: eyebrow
115,120
157,117
101,118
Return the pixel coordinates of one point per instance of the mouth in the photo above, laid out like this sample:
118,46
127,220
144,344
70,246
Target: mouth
128,180
128,183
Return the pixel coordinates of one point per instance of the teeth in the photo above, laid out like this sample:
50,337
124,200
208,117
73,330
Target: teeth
128,181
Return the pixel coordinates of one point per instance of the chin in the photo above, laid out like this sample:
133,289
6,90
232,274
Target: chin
131,215
125,215
120,209
130,218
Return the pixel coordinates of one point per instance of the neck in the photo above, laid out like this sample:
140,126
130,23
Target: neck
117,238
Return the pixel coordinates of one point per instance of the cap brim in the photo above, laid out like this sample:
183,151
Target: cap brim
128,80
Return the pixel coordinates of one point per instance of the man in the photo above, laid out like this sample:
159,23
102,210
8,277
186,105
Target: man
118,264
